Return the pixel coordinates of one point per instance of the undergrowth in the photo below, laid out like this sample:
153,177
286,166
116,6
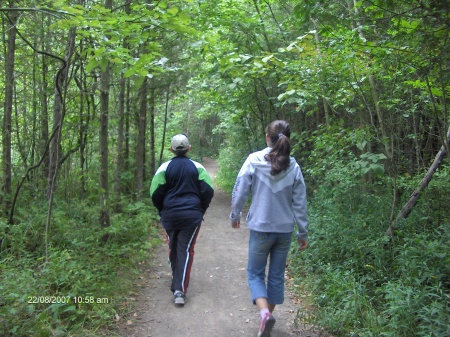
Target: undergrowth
365,283
77,285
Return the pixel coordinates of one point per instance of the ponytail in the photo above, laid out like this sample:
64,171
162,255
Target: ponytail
279,156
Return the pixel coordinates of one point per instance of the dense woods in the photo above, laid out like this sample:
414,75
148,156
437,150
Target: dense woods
91,92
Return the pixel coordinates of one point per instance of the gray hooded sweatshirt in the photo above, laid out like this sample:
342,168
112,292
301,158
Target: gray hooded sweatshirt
278,202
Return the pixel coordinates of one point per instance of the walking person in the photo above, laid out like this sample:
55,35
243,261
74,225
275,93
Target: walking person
181,190
278,192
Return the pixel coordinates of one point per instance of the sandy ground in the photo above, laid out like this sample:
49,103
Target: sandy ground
218,300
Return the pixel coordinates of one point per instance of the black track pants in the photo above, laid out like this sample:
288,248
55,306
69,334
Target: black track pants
181,255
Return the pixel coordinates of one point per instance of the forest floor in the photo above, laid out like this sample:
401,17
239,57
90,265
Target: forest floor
218,300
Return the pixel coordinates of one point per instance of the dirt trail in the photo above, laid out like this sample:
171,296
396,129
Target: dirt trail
218,299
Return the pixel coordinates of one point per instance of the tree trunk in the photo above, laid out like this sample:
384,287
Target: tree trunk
118,188
120,143
86,102
126,158
152,166
105,82
58,114
44,115
326,106
103,136
140,149
7,116
164,127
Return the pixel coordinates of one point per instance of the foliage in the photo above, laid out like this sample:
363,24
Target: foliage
364,283
83,285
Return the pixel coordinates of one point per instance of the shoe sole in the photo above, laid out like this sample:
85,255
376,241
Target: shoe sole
179,301
268,327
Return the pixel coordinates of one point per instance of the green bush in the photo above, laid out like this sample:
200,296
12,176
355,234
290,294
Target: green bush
79,286
364,283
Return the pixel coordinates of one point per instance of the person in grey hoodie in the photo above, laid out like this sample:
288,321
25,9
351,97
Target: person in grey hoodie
278,192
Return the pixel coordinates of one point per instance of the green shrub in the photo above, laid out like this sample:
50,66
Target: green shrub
364,283
79,286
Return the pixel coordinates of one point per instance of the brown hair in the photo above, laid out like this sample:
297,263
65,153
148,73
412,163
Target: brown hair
279,156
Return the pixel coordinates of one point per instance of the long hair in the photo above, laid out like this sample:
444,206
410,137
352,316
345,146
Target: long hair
279,134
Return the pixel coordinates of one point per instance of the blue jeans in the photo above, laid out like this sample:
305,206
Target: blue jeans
263,246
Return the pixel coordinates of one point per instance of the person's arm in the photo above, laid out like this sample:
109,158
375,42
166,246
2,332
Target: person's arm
158,188
241,191
206,188
300,210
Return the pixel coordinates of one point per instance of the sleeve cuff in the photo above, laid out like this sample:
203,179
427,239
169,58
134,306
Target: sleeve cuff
235,217
302,236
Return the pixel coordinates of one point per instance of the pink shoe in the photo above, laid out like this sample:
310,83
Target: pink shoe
266,326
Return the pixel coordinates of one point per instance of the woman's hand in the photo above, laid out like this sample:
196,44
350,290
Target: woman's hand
302,244
235,224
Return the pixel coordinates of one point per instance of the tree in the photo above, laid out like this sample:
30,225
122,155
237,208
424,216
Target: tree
141,139
105,82
5,197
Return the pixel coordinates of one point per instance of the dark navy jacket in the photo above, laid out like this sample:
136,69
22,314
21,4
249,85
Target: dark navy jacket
181,189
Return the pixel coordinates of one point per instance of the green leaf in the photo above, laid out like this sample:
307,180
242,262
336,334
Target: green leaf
93,63
173,10
104,62
184,18
130,72
267,58
70,308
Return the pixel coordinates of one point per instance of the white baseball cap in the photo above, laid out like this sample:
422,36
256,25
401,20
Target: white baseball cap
179,142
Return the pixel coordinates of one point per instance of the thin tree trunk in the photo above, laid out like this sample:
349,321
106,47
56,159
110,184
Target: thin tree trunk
21,142
387,145
374,92
152,166
84,119
104,188
326,106
120,144
105,82
44,132
118,188
126,158
103,135
7,115
58,114
164,127
58,118
140,148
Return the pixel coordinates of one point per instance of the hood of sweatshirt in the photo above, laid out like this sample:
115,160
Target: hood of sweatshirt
262,169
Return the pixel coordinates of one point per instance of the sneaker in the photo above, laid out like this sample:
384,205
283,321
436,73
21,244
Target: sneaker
179,298
266,325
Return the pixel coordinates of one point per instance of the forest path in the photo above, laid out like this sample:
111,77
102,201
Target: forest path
218,299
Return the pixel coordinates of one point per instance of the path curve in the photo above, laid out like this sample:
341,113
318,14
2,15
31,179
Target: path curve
218,299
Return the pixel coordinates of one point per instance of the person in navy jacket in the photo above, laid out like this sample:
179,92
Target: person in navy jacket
181,190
